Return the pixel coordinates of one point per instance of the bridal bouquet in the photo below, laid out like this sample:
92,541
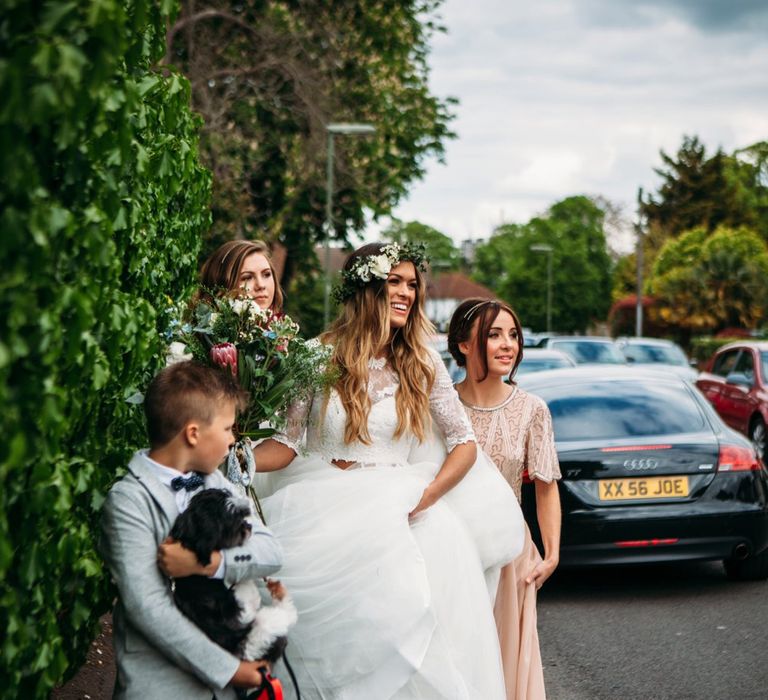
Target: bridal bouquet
264,351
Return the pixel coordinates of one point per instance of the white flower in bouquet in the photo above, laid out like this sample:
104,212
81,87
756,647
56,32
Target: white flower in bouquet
176,353
239,305
256,313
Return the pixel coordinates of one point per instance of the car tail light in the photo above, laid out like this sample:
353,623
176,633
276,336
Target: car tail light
737,458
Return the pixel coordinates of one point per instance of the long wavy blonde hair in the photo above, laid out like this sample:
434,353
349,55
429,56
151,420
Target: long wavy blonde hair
361,333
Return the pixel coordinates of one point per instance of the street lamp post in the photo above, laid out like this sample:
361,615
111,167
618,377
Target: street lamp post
639,255
545,248
332,130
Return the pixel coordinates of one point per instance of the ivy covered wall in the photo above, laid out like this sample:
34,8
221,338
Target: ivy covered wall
102,207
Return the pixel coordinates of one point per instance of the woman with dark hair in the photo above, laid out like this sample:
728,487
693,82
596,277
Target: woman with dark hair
381,553
514,428
243,266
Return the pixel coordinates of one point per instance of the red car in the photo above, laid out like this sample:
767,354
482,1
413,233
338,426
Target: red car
736,384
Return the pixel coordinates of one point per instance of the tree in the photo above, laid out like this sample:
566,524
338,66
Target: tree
697,190
710,281
580,261
268,75
443,254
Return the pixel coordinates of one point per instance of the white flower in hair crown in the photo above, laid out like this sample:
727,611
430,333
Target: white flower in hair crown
368,268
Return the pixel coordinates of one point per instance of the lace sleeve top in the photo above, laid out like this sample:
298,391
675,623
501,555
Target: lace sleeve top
317,425
517,435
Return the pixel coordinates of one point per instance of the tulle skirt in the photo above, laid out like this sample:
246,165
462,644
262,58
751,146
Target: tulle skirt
390,608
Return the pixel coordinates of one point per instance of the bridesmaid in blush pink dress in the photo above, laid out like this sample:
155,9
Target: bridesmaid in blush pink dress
515,430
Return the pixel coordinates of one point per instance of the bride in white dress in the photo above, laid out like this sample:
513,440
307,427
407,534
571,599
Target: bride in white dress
386,537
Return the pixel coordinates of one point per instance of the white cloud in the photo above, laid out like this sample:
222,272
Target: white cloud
569,97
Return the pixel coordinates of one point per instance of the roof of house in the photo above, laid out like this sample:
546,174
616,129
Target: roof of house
456,285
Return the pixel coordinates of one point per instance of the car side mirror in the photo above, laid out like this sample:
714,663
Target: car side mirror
739,379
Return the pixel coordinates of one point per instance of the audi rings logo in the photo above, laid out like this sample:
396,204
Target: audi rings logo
641,464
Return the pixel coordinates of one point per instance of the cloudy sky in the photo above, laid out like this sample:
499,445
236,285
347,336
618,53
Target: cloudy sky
562,97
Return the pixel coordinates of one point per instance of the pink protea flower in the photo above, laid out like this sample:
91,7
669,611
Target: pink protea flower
225,355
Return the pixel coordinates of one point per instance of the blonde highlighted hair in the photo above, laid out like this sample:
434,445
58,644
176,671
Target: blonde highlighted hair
362,332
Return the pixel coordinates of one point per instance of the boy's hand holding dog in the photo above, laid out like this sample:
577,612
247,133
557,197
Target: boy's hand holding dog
176,561
248,674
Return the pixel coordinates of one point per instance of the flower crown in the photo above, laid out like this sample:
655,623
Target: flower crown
372,267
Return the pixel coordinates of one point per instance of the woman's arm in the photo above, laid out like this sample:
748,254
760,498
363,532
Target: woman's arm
544,469
272,455
458,462
548,516
453,423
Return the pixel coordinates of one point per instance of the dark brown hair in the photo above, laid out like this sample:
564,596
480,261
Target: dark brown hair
184,392
223,267
484,313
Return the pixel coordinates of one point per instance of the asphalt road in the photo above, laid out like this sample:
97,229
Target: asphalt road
681,632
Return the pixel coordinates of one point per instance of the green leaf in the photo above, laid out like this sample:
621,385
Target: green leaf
54,13
71,62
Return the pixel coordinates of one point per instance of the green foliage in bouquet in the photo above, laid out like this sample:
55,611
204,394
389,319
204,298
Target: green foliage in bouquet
102,207
263,349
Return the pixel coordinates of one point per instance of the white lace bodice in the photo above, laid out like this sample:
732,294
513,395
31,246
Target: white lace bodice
318,425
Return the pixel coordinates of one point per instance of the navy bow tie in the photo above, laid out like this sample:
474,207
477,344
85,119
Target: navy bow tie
189,483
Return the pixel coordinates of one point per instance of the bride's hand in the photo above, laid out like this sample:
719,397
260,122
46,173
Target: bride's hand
428,498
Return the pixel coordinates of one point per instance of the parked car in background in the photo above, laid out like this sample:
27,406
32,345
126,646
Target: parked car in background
439,342
735,380
658,353
537,340
585,349
539,359
650,472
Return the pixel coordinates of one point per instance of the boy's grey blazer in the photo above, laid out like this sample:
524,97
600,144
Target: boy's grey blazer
160,652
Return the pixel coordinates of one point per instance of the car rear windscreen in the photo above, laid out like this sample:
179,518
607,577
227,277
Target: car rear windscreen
589,351
664,354
607,410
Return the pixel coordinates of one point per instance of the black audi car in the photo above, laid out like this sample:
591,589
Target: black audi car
650,473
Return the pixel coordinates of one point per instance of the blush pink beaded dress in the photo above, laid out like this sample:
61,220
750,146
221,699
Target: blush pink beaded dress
517,435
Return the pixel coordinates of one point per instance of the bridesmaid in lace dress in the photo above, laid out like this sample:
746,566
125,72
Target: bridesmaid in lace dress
515,429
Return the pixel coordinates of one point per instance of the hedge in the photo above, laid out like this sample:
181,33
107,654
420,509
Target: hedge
102,208
703,347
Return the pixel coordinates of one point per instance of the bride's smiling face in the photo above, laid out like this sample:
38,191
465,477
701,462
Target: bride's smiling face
401,290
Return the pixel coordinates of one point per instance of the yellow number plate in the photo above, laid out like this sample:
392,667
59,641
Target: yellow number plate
647,487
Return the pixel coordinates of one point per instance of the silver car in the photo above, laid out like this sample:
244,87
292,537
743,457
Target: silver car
657,354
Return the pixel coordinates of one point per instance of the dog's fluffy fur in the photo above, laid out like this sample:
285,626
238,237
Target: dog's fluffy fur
233,618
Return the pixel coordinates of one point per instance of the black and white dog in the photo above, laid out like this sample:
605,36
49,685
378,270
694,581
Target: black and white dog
232,617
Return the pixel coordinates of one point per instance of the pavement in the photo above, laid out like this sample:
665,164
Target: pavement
96,678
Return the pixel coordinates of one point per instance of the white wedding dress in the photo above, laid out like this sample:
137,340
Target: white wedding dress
389,608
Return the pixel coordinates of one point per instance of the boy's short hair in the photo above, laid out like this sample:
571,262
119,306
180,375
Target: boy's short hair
187,391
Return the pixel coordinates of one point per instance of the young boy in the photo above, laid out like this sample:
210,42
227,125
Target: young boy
160,653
